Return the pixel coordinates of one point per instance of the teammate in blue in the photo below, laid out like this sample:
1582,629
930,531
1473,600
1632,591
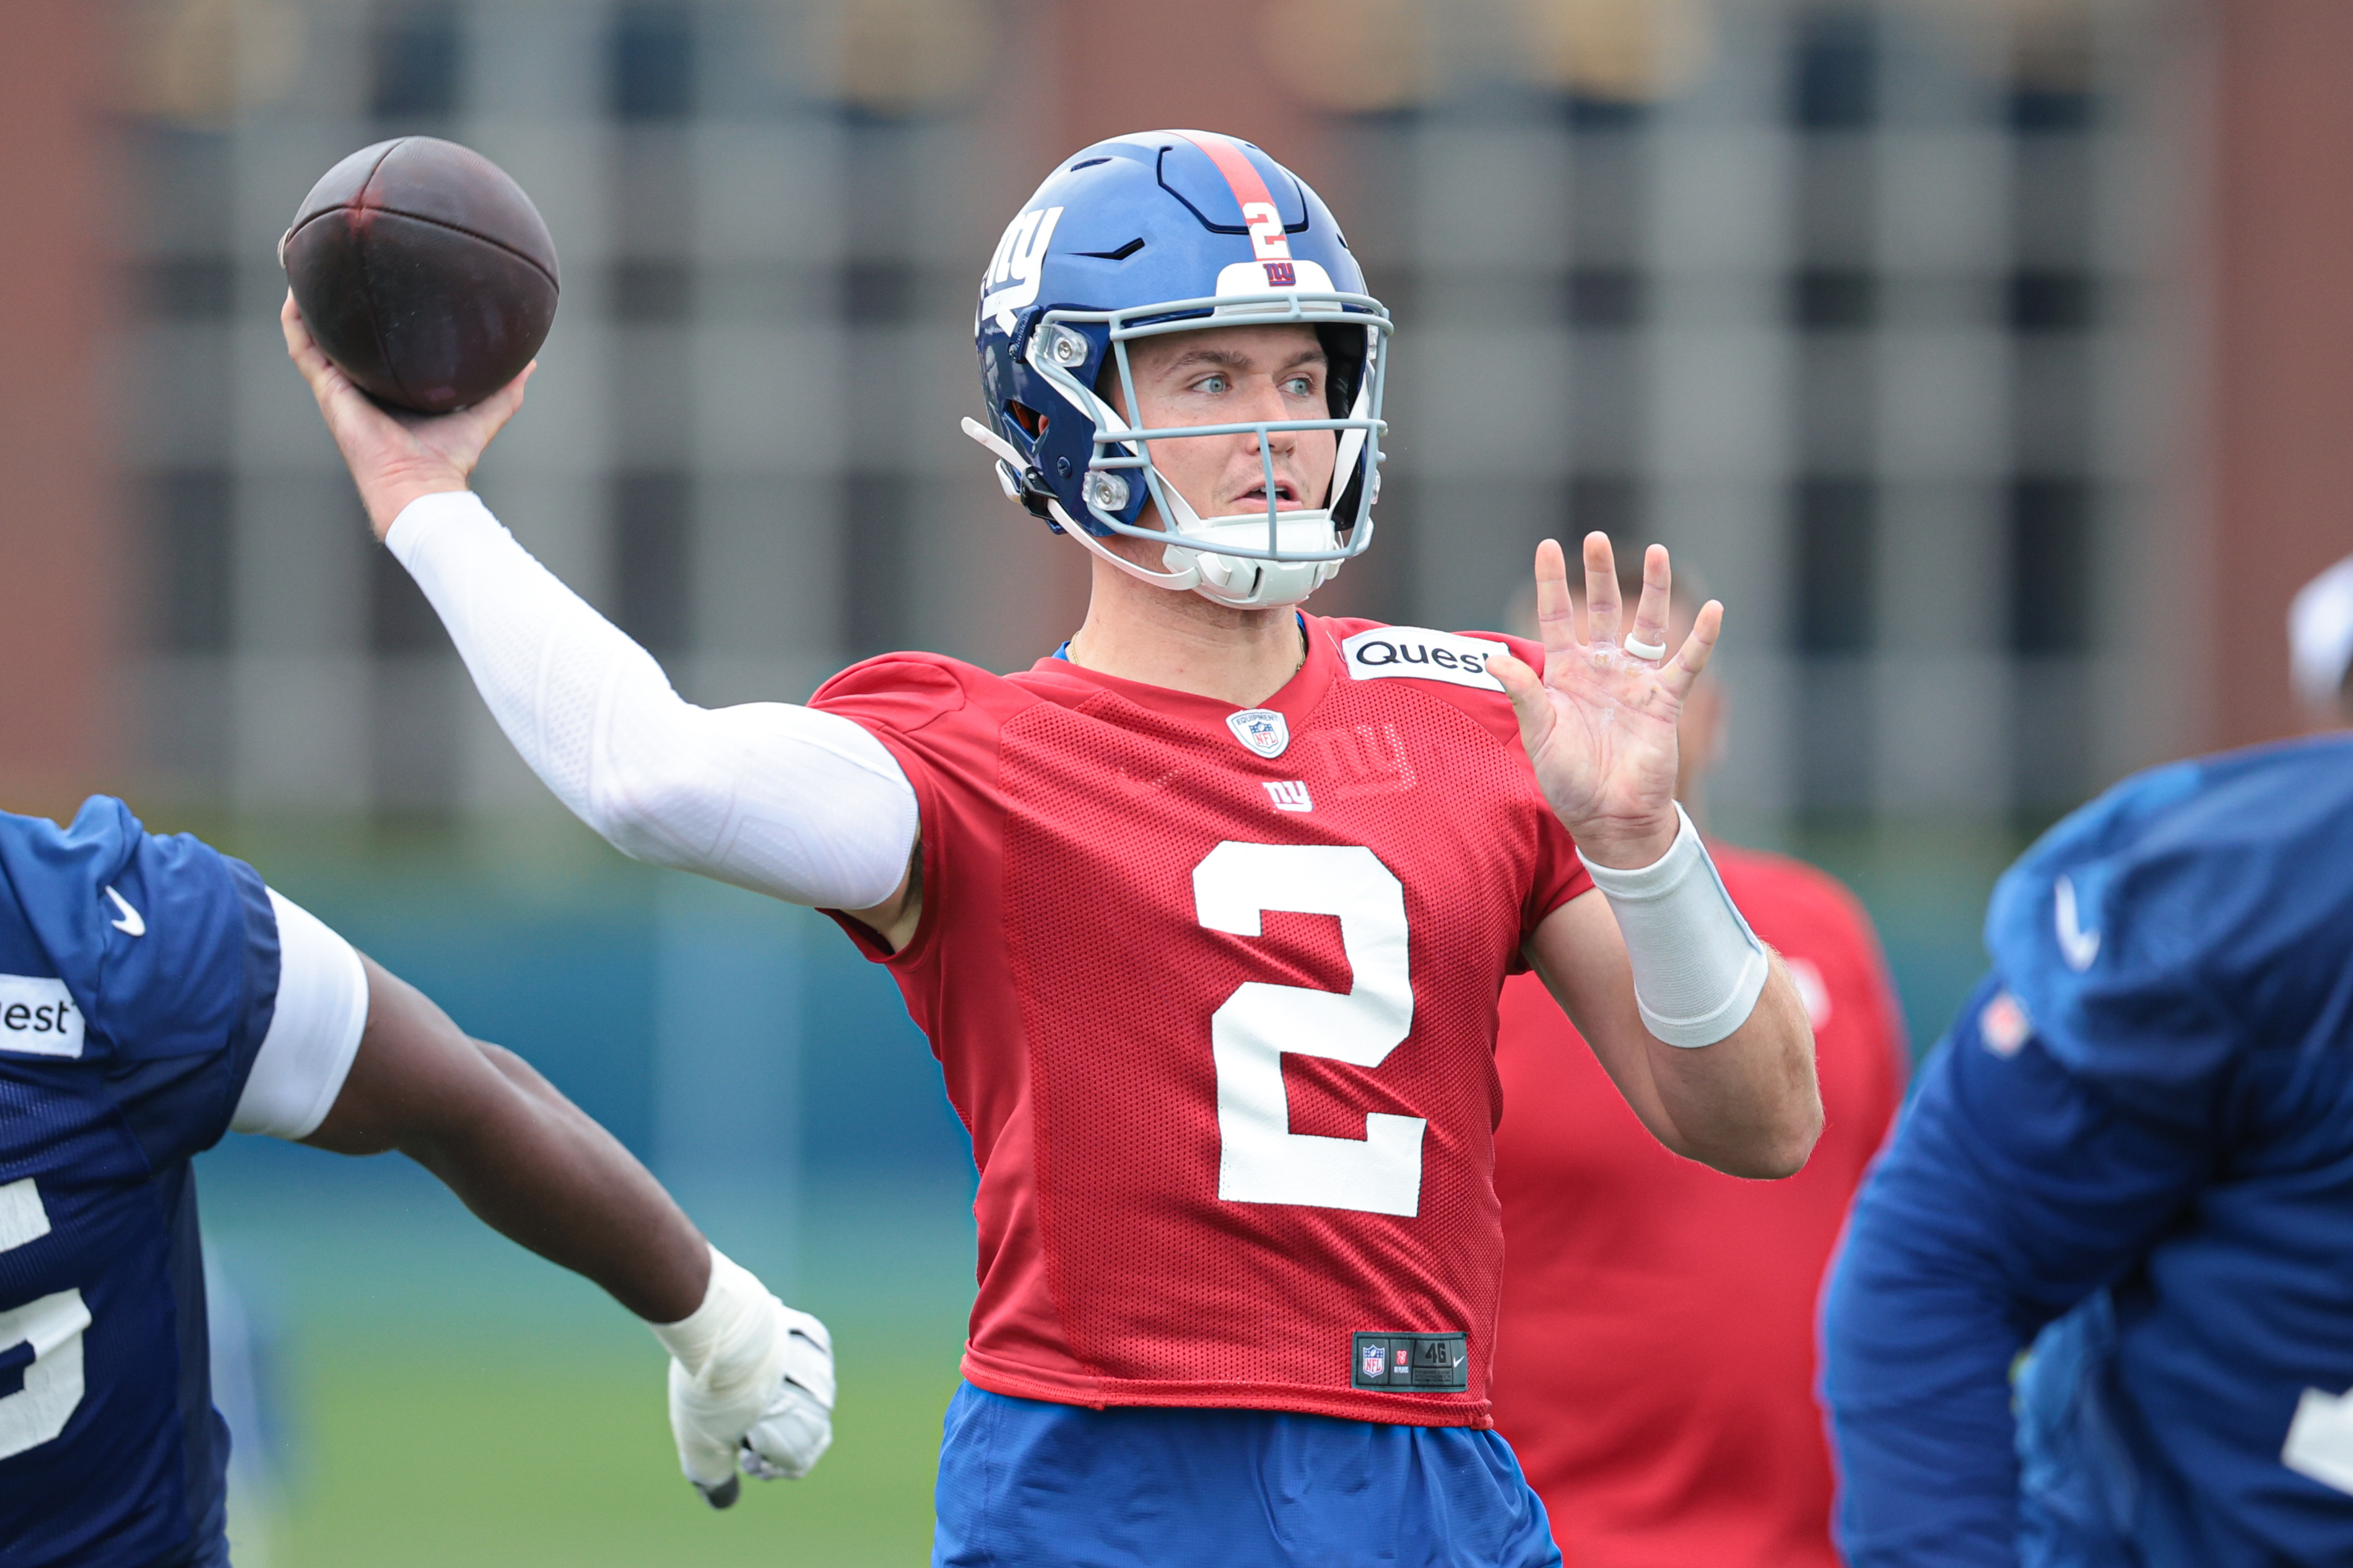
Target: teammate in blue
2138,1143
154,995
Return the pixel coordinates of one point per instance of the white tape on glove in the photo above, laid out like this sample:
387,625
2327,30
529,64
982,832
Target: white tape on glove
1698,969
750,1381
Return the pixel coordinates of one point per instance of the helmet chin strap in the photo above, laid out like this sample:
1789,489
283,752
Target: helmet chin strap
1274,584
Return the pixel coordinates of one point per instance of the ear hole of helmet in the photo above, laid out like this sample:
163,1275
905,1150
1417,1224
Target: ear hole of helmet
1343,510
1343,357
1033,423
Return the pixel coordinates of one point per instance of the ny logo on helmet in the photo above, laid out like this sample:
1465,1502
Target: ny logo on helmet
1011,279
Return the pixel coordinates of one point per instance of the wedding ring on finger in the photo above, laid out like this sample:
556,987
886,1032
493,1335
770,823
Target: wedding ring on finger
1638,649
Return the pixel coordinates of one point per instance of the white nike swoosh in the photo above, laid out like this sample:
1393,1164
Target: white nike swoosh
130,922
2077,945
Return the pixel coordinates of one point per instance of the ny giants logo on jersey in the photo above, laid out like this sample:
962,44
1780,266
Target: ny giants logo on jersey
1011,279
1289,794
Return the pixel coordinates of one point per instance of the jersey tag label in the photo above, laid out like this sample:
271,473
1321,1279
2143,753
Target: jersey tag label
38,1017
1263,730
1411,1363
1425,655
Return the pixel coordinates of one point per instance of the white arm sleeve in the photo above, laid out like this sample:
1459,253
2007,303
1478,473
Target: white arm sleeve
323,1002
802,805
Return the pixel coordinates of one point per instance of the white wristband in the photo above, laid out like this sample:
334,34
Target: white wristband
1698,969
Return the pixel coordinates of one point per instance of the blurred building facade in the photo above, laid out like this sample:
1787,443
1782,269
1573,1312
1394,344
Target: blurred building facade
1892,317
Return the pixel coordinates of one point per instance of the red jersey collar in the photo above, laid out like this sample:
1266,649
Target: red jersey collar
1298,698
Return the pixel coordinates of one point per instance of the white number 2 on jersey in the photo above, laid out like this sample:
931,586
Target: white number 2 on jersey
1260,1159
52,1325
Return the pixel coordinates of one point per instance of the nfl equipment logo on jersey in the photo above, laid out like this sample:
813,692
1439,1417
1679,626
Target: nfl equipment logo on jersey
1261,729
1376,1359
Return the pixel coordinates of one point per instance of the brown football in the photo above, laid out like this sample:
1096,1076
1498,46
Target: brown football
423,272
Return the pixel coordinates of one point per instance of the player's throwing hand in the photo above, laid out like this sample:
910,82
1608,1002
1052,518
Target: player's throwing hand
396,457
1600,723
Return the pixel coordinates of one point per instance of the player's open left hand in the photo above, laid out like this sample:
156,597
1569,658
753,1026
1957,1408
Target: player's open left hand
1600,723
395,457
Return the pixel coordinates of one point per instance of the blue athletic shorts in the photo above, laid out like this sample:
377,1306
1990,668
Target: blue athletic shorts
1030,1484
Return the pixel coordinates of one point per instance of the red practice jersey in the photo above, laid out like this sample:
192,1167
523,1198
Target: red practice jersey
1214,993
1657,1366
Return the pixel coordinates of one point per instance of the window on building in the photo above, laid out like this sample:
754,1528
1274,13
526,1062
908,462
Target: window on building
653,537
417,51
1836,525
878,290
401,621
652,290
652,62
2053,67
1834,73
1833,299
1590,113
1606,297
2051,300
875,509
2050,565
189,288
1611,502
192,519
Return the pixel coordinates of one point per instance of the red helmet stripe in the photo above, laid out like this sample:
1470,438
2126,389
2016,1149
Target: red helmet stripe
1248,187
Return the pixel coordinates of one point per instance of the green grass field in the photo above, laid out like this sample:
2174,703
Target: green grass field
550,1459
452,1402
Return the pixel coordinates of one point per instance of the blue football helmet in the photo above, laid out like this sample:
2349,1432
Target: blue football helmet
1170,231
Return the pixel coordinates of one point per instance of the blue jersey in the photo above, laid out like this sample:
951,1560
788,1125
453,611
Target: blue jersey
138,977
2140,1135
1024,1481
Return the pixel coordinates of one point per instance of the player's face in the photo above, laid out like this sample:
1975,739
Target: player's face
1225,375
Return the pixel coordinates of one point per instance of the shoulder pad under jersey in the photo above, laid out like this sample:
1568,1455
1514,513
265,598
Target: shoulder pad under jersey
164,945
2190,912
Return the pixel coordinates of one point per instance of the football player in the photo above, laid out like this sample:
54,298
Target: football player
2134,1150
154,995
1205,913
1655,1365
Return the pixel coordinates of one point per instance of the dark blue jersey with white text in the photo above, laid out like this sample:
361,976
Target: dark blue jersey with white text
2140,1136
138,976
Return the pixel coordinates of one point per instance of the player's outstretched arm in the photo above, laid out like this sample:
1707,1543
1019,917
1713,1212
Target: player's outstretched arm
750,1378
524,1159
786,801
1697,1020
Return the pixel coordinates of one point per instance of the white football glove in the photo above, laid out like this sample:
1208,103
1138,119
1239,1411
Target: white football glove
750,1381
